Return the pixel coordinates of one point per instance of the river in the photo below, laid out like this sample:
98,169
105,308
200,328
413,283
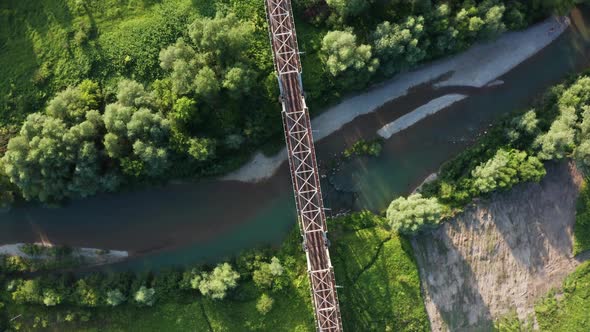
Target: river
183,223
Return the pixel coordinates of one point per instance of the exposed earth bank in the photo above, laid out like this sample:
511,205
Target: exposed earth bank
501,254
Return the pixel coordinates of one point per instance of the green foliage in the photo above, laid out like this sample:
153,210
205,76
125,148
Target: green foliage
215,54
115,297
362,147
577,95
51,160
506,169
145,296
381,281
415,213
51,298
526,125
268,275
217,283
32,249
582,150
86,294
346,8
346,59
400,46
264,304
511,323
72,104
569,311
582,225
137,137
27,291
559,141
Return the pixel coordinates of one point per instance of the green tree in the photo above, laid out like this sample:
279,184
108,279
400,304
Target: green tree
214,59
505,169
582,150
349,8
342,54
51,161
264,304
559,141
225,37
268,274
184,112
523,125
72,104
51,298
201,149
115,297
86,294
441,31
577,95
238,81
400,46
492,14
132,94
206,83
412,214
27,291
145,296
137,137
216,283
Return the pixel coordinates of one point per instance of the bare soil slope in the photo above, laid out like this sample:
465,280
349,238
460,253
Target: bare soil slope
501,254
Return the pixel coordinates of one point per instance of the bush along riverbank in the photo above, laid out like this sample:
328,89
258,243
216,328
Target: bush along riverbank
199,75
259,290
512,151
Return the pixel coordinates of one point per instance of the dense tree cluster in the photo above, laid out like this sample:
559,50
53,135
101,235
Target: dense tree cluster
114,290
75,149
57,154
412,214
505,169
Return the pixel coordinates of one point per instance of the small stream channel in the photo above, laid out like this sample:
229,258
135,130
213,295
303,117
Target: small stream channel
185,223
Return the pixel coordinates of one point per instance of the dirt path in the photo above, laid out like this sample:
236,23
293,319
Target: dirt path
500,255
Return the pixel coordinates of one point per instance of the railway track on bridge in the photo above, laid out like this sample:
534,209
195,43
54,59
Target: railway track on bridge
303,165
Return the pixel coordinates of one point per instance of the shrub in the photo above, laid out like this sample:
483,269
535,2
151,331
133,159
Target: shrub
264,304
145,296
115,297
267,275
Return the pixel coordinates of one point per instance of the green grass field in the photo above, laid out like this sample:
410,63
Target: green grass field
567,312
46,46
582,226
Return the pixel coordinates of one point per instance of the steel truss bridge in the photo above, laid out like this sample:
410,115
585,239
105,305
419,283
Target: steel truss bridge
303,165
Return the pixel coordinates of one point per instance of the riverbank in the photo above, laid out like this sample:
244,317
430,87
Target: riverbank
42,255
482,64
